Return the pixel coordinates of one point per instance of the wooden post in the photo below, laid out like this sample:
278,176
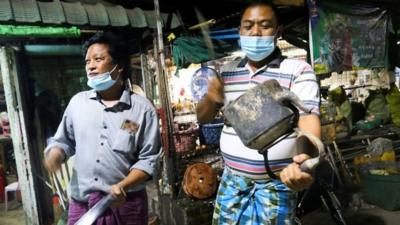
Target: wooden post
146,77
165,101
19,134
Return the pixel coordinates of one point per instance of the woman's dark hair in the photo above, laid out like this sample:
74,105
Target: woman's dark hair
117,48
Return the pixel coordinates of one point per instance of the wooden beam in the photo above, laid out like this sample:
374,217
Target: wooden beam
19,134
289,2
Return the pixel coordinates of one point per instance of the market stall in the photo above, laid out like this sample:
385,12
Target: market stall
354,51
42,68
349,50
195,146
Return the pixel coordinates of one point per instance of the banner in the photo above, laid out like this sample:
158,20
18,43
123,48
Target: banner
38,31
347,37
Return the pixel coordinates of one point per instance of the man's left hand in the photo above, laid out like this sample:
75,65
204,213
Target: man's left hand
293,177
119,194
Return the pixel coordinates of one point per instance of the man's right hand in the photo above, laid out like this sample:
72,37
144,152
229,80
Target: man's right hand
210,104
216,90
53,159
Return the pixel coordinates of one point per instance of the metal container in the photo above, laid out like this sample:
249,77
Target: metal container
263,114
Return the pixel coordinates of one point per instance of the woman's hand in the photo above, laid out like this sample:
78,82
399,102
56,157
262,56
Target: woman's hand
118,192
53,159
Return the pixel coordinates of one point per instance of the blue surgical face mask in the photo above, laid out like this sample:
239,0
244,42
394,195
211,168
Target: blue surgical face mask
103,81
257,48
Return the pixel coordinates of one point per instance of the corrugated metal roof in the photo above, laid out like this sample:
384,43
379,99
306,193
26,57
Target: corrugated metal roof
75,13
51,12
78,14
25,11
97,14
5,10
118,16
136,17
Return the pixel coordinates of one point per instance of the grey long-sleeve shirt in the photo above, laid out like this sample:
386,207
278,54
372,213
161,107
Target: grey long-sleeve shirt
105,145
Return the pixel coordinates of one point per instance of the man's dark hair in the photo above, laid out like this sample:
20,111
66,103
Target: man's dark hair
117,48
265,4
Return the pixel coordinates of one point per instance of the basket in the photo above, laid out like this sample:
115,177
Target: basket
200,181
185,139
381,190
211,133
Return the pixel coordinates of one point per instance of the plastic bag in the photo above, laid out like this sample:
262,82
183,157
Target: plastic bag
379,146
393,99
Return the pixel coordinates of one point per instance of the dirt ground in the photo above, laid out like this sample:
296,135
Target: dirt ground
370,216
15,214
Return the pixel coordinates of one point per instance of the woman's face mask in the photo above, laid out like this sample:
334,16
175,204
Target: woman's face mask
102,82
257,48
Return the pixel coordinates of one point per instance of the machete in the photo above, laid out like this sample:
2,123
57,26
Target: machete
90,216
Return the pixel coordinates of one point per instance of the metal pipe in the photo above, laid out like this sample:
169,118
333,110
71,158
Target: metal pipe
165,99
202,24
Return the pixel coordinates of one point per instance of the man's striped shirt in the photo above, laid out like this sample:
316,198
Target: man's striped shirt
294,75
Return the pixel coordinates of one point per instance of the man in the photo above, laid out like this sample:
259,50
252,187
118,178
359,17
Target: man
114,135
246,194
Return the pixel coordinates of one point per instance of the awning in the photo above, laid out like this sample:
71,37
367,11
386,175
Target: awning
18,12
187,50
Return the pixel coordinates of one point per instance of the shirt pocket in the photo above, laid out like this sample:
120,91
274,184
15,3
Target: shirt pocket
124,142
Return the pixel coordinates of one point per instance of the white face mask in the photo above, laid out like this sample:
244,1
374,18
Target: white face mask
102,81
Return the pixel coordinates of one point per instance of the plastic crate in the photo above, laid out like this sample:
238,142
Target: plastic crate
381,190
185,136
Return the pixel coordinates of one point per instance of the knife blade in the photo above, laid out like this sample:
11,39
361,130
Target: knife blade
90,216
